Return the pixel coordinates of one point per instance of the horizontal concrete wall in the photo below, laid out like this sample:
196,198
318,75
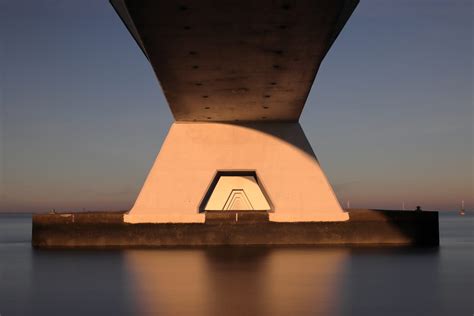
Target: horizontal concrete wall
365,228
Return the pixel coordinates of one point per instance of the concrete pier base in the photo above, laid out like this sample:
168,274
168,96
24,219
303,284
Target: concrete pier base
364,228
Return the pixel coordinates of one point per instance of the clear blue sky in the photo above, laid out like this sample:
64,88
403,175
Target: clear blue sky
390,115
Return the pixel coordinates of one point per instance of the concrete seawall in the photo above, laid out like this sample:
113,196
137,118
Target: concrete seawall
107,230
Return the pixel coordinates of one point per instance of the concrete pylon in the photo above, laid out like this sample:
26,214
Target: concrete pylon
279,154
221,63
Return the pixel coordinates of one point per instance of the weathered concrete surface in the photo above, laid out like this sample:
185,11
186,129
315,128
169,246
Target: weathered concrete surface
236,217
365,228
234,60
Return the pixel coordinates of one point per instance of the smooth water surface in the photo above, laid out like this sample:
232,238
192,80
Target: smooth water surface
239,280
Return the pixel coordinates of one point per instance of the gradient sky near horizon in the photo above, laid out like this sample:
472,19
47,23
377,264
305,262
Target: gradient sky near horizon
82,117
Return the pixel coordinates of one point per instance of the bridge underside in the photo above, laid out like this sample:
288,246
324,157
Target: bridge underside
237,60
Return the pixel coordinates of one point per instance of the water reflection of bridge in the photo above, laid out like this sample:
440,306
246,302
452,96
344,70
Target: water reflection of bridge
237,281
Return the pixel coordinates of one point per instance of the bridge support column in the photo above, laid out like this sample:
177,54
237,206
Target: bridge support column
193,153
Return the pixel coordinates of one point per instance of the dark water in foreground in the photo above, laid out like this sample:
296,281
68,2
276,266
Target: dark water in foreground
238,281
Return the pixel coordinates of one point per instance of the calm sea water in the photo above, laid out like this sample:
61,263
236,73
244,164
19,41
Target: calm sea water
238,281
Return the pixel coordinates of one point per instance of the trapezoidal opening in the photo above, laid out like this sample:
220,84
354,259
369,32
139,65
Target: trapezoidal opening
235,191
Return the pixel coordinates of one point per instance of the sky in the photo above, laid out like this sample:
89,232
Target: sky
82,117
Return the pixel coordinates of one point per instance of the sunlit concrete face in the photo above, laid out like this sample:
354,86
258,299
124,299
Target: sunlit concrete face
250,64
279,152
